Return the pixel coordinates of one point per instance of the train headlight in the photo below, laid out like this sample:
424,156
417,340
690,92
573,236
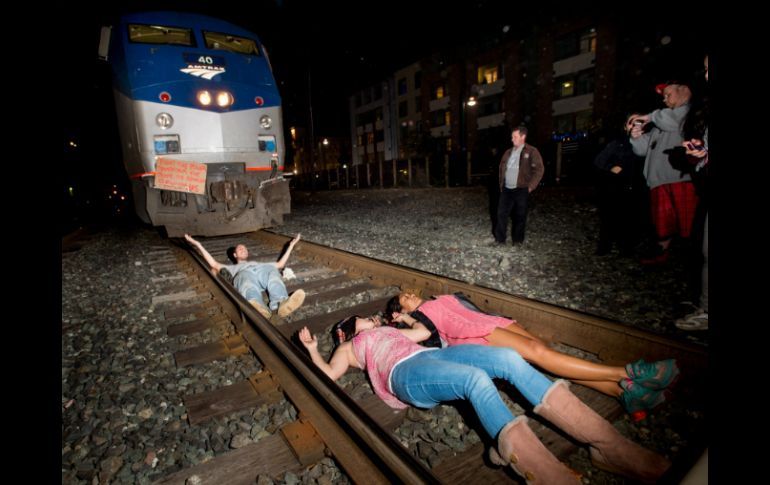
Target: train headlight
204,98
224,99
164,120
265,121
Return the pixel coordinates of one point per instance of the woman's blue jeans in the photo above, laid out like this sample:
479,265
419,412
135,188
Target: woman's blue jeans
466,372
255,279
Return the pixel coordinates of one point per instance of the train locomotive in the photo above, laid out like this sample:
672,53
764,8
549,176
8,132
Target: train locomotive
197,94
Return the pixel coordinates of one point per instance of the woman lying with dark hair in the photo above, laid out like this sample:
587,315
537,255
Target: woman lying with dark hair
639,386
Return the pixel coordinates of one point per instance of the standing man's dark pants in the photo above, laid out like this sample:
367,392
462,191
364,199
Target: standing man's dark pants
512,200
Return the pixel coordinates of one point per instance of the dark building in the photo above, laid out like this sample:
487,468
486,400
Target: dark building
571,82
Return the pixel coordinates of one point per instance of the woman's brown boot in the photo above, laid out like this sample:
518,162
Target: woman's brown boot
609,449
518,446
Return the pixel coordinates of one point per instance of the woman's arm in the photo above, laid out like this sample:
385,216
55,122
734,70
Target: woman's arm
337,365
403,318
417,333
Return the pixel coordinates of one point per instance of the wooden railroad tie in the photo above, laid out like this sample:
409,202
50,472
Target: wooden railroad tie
260,388
229,346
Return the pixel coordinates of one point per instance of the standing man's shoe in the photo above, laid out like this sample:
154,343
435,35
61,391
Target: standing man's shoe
603,248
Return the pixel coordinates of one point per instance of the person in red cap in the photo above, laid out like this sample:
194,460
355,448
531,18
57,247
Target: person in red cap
672,194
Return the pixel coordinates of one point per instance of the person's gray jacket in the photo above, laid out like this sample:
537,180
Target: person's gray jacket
665,134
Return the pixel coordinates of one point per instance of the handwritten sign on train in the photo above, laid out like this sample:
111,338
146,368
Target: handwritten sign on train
180,176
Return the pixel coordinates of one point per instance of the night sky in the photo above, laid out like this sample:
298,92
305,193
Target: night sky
322,48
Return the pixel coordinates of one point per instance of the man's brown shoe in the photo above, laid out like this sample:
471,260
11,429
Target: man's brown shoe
290,304
262,309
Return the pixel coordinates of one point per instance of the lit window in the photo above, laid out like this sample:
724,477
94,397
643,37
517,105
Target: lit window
487,74
588,41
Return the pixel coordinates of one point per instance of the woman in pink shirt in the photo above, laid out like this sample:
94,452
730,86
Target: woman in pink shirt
639,385
404,373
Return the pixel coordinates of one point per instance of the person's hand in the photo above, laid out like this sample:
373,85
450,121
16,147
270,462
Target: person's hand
190,239
295,240
635,125
398,317
308,340
691,148
616,169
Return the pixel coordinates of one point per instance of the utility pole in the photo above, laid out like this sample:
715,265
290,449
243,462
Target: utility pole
312,129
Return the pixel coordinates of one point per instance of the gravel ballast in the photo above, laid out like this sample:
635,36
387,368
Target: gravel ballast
448,232
123,420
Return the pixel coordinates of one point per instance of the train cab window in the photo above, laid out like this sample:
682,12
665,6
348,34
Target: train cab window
232,43
160,34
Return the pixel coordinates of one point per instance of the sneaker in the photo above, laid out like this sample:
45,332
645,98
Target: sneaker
698,320
262,309
654,375
636,398
290,304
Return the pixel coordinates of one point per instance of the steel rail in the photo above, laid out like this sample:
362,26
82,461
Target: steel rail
290,366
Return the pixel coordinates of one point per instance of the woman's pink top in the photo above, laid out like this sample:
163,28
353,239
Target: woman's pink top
460,325
379,351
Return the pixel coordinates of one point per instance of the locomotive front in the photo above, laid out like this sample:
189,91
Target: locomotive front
201,126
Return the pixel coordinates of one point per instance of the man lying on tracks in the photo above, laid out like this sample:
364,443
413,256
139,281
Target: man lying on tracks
251,278
640,386
403,372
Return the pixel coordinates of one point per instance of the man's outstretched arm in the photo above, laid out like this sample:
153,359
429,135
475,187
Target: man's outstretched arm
282,262
213,263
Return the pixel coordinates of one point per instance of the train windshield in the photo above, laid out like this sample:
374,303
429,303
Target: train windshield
232,43
160,34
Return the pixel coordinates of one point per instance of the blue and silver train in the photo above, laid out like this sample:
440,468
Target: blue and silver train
191,88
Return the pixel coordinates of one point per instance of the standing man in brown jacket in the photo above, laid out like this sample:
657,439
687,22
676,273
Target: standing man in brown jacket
521,169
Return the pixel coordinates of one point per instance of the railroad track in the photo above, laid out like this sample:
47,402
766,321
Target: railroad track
369,441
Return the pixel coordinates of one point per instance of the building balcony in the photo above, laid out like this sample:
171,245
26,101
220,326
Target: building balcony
440,131
572,104
572,64
437,104
484,122
482,90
